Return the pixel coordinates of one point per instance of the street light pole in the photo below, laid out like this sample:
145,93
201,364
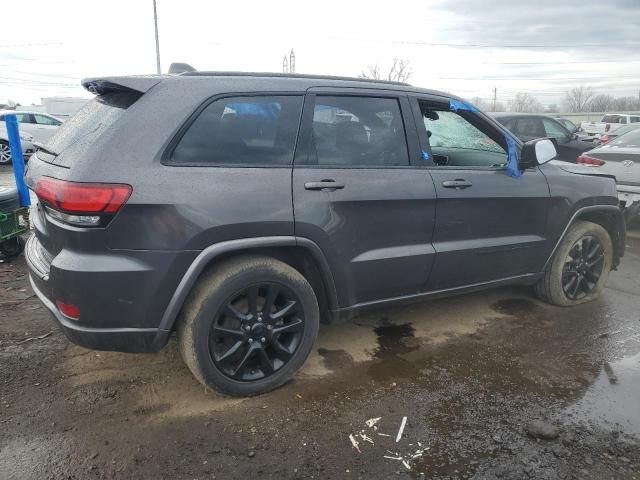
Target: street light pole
155,22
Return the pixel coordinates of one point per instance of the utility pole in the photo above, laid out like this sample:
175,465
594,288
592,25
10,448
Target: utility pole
495,98
292,62
155,23
285,65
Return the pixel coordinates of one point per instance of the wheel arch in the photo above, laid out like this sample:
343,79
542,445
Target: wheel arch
300,253
610,217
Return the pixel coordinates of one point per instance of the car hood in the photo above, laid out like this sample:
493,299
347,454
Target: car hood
580,169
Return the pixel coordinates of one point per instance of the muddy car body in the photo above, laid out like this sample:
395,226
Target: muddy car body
241,209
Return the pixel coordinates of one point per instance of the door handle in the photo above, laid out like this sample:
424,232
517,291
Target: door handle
457,183
324,185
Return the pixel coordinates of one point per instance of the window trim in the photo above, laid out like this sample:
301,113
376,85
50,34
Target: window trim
480,117
304,150
165,158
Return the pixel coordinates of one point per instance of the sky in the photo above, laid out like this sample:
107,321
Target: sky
466,47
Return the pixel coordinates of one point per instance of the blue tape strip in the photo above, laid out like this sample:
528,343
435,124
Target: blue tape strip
17,158
456,105
425,155
513,169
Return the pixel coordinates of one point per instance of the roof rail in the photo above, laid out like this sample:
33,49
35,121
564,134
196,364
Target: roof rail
194,73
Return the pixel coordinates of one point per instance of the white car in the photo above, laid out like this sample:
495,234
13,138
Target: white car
609,123
40,125
26,140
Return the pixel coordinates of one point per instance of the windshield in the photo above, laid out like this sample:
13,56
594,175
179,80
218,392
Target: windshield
628,140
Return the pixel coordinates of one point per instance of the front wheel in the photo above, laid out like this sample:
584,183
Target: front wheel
580,267
248,325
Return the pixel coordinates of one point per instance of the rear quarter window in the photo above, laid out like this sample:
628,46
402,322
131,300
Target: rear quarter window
241,131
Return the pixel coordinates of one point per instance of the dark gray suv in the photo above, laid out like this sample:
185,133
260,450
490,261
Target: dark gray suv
242,210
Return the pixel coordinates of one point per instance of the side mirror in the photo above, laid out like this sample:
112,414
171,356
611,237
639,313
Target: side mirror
537,152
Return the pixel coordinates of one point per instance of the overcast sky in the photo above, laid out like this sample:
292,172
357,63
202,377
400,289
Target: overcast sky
467,47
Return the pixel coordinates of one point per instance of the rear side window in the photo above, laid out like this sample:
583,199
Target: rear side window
44,120
242,131
358,132
529,127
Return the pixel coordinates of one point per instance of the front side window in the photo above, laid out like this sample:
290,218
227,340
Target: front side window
456,142
358,132
247,131
554,129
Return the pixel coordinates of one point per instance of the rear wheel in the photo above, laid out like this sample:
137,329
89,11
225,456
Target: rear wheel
5,153
580,267
248,326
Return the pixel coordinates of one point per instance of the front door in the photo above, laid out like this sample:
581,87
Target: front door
489,226
361,195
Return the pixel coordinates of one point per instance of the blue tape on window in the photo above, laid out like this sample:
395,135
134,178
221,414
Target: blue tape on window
425,155
455,105
513,169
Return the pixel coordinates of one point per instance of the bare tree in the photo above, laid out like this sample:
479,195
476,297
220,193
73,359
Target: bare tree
523,102
625,104
601,103
578,99
399,71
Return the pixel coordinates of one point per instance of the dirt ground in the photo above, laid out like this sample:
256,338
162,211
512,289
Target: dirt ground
493,385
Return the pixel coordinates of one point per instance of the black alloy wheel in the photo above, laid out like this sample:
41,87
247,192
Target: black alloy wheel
256,332
582,268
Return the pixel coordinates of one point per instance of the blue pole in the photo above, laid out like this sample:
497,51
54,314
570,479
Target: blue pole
17,158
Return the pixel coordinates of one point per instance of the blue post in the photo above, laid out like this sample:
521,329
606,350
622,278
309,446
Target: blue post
17,158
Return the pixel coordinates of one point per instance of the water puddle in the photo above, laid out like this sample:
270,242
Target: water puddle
614,397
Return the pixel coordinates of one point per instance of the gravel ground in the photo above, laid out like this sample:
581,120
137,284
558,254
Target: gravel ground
493,385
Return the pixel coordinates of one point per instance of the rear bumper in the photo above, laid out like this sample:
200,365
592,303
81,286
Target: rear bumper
132,340
106,323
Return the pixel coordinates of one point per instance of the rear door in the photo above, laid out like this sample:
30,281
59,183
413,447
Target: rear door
489,226
361,193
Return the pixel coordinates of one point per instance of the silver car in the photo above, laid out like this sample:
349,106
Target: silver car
26,140
620,157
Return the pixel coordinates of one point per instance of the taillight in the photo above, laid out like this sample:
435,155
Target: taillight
585,159
84,204
604,139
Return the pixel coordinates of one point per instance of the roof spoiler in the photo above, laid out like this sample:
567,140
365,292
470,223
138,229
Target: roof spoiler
137,83
178,68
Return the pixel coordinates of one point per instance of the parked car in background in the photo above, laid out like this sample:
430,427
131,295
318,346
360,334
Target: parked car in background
620,157
40,125
607,137
568,124
25,142
529,126
609,123
575,129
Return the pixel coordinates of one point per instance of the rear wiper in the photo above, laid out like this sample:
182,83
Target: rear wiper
46,150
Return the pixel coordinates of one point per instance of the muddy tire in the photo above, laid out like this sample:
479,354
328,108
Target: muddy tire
580,267
248,325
